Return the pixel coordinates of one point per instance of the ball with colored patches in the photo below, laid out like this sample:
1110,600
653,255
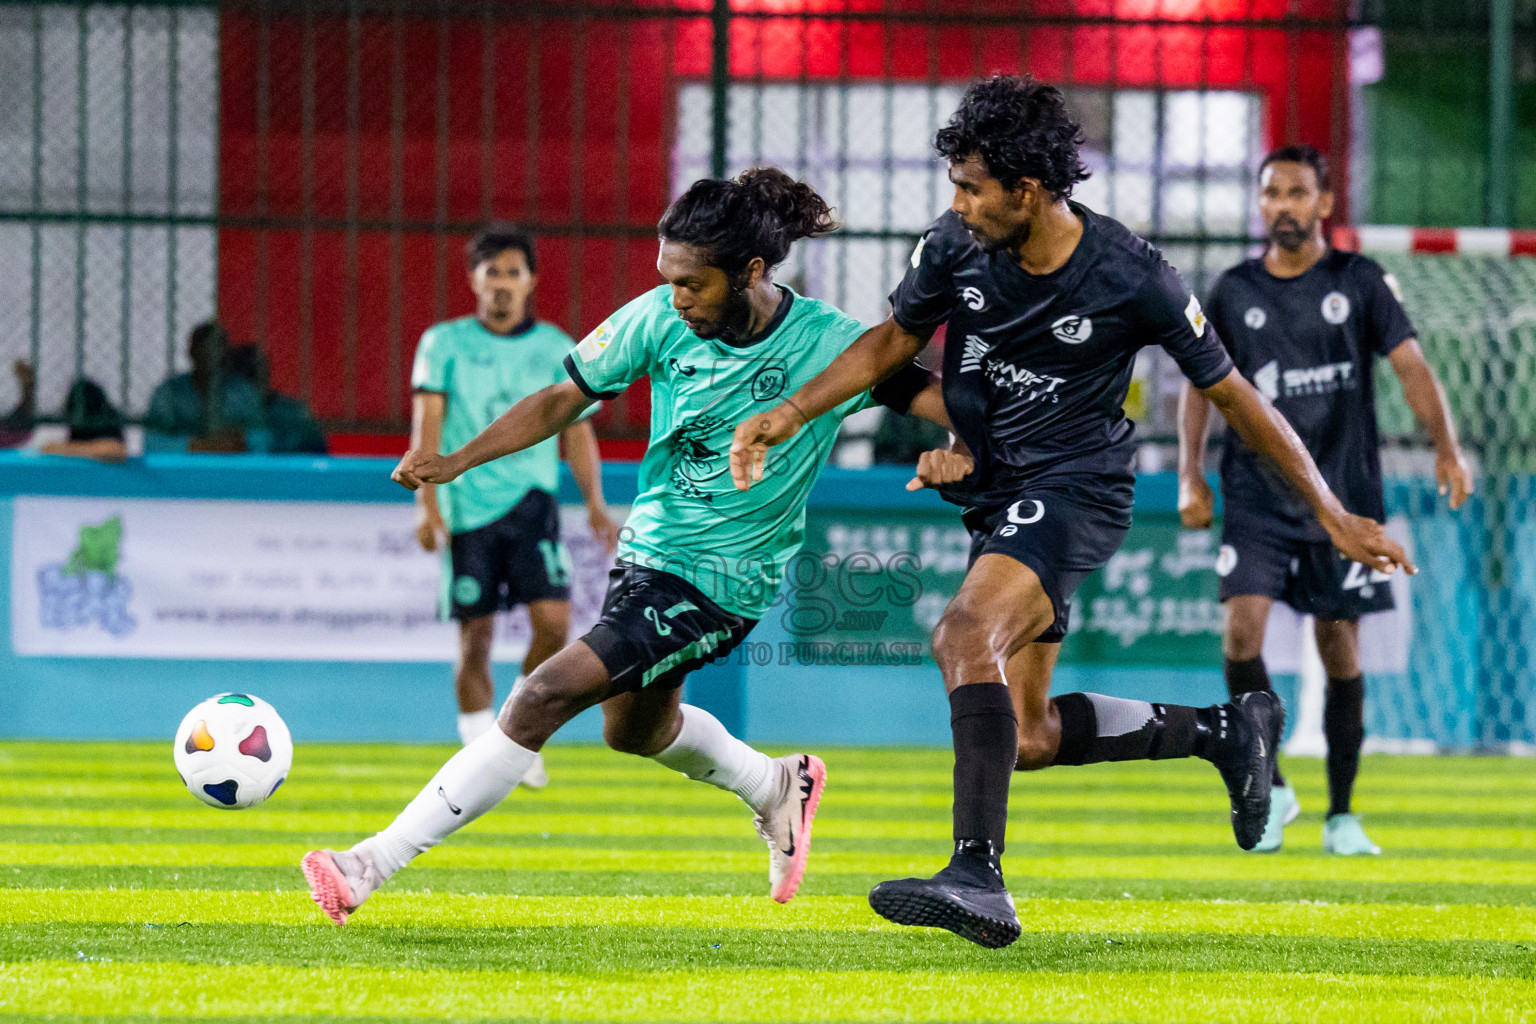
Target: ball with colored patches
232,751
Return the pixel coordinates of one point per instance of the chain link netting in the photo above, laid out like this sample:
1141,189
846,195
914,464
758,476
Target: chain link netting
108,178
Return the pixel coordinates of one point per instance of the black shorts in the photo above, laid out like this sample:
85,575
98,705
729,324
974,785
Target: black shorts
1061,530
656,628
513,560
1313,577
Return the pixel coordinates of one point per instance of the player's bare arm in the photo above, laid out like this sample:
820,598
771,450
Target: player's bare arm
578,442
1197,503
877,353
1259,424
1426,397
427,408
536,418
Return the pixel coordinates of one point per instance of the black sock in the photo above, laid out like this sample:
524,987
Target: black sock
1096,728
1344,727
1247,677
986,733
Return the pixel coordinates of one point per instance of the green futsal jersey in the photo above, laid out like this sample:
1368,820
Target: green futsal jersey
689,519
482,375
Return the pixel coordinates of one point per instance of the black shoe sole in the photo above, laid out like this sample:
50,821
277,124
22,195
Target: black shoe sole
1261,766
925,910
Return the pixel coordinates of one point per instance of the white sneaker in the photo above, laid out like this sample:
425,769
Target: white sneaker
536,777
339,881
785,824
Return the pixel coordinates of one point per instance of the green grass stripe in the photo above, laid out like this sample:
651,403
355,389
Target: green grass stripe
599,948
511,819
1233,866
323,798
827,913
238,989
751,883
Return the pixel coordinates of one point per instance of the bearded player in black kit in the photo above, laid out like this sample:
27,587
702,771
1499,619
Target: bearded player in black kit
1047,304
1306,323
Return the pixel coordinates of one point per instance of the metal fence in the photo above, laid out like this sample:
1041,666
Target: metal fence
308,171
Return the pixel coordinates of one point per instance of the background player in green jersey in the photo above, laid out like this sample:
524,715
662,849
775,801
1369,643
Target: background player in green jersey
699,562
499,524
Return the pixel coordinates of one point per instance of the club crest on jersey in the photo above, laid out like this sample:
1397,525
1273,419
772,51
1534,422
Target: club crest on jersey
1255,318
1390,280
1073,329
972,297
1335,307
1196,316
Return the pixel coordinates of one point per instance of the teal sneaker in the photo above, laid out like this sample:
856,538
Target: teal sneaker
1283,809
1343,835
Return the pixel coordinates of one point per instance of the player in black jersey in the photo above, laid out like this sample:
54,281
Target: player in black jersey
1047,304
1306,324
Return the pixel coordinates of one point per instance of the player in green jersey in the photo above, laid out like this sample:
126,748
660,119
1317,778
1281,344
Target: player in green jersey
699,561
500,523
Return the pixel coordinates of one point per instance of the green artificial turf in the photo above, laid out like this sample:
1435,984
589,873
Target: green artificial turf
624,892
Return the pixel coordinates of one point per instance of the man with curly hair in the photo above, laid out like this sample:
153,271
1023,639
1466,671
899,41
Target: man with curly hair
1047,304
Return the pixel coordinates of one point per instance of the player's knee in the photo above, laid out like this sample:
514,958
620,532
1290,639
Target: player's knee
960,636
1242,641
551,622
544,695
475,639
1037,747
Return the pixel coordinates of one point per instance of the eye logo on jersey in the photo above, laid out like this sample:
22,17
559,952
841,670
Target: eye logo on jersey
1196,317
1390,280
1015,512
917,254
1267,380
593,344
1074,330
972,297
975,352
1255,318
1335,307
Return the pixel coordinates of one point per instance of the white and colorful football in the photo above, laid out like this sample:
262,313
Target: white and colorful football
233,751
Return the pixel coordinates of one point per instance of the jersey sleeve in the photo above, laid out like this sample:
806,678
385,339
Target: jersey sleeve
1173,319
429,371
898,390
619,351
1216,315
1386,320
926,296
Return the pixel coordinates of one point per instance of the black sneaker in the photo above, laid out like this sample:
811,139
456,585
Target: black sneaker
1245,746
967,897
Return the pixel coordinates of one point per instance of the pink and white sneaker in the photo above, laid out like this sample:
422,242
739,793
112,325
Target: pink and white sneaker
339,881
785,824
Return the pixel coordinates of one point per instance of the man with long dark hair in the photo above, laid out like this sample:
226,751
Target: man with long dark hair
1047,304
699,562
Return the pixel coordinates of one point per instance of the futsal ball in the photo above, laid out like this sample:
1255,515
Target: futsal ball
233,751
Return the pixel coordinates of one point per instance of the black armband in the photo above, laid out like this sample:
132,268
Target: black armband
898,390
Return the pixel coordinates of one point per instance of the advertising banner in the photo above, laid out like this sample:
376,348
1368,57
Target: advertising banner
290,580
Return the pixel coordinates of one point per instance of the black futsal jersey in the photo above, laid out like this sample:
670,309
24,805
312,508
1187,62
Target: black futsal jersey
1037,366
1309,344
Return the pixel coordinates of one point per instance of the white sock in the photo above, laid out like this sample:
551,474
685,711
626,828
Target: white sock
473,781
473,724
705,752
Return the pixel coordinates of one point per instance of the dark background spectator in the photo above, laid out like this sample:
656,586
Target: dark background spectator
214,409
95,425
291,428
